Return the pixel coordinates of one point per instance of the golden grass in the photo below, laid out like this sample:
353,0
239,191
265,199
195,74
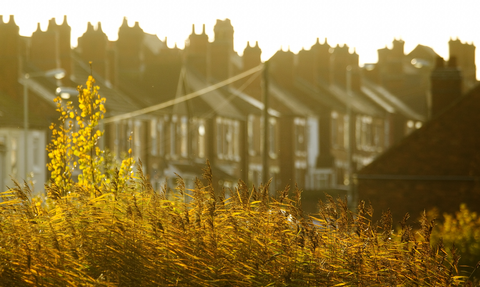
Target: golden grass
113,229
136,236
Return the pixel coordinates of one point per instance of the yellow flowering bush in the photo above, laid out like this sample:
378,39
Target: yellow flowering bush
75,143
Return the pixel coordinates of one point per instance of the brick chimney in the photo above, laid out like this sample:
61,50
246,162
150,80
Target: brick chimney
221,50
65,48
196,51
446,85
9,57
251,58
321,58
51,49
306,68
281,67
128,48
465,54
340,59
92,46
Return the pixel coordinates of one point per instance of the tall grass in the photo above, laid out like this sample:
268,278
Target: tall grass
138,237
113,229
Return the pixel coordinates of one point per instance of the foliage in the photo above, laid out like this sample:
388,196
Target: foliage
463,230
75,143
117,231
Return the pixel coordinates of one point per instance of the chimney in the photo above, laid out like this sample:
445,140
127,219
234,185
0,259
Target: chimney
251,58
305,67
446,85
321,60
465,54
93,47
196,51
281,68
10,67
128,47
221,50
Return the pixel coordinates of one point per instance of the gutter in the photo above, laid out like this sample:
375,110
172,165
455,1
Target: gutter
415,177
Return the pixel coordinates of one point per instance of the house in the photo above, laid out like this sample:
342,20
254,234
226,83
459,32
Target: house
351,120
327,117
436,165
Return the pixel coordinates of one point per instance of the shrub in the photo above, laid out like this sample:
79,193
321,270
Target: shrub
463,230
114,229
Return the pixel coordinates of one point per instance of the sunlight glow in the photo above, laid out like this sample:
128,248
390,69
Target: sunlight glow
365,25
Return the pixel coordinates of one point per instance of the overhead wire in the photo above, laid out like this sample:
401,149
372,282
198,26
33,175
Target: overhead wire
184,98
228,99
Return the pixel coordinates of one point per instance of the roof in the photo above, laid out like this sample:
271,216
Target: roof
317,95
116,101
153,43
288,102
388,101
215,101
250,104
425,50
11,114
446,146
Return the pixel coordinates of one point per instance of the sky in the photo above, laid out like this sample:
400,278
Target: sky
364,25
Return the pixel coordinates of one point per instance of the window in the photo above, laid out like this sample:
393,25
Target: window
161,136
36,153
300,177
184,137
366,133
377,136
251,139
228,138
236,140
199,138
409,127
219,135
334,127
300,137
173,135
137,142
228,141
272,134
116,140
358,132
346,132
153,137
14,157
128,135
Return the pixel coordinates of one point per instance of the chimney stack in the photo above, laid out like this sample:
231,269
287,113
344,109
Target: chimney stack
446,85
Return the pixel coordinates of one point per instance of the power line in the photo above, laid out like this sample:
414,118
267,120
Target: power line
184,98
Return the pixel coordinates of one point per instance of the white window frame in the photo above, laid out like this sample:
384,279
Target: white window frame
183,126
153,137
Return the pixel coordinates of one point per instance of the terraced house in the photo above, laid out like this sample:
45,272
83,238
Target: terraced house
327,117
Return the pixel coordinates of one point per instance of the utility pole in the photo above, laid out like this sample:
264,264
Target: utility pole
351,143
265,168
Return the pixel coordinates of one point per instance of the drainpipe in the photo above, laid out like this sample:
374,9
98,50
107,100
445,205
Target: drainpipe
265,167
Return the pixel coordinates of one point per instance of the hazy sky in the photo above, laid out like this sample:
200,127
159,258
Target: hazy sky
365,25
